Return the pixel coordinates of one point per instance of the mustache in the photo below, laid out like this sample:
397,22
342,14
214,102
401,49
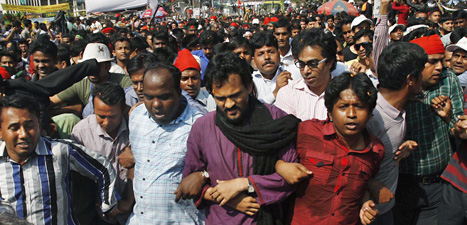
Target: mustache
268,62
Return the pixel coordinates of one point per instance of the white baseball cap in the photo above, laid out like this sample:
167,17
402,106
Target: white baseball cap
255,21
461,44
97,51
360,19
393,27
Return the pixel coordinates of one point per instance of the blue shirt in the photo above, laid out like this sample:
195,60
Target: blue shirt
159,152
204,61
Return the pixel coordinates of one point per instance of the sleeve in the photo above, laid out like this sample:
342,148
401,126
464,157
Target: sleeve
283,102
381,39
76,134
64,78
96,167
70,95
195,160
457,99
273,188
126,81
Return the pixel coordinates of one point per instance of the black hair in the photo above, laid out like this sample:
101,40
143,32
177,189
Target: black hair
364,33
458,34
445,17
239,43
27,23
282,22
15,50
161,35
263,39
16,23
178,33
459,14
139,43
64,54
360,84
316,37
77,47
221,47
296,26
418,33
46,47
110,93
397,61
23,41
174,71
208,37
123,39
20,101
68,35
221,66
192,22
141,61
8,54
165,55
190,41
99,38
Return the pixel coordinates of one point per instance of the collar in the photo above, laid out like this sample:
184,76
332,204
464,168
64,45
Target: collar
202,96
329,130
388,109
289,53
301,85
278,71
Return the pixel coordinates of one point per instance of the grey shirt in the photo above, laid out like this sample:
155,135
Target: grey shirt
388,124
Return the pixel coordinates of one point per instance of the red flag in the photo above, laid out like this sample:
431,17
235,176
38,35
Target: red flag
239,3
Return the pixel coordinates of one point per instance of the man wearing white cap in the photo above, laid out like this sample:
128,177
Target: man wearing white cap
396,32
81,92
361,22
459,60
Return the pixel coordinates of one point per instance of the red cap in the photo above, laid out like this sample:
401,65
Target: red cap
108,30
234,25
274,19
431,44
144,28
213,18
185,60
246,26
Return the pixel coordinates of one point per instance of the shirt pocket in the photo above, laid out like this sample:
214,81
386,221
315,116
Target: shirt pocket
361,175
321,165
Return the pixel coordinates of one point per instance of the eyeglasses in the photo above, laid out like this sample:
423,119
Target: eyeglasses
313,64
365,45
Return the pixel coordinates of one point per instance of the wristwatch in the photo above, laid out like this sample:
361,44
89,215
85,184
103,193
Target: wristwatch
251,189
205,174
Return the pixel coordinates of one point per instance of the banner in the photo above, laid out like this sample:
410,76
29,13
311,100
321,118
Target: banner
37,9
113,5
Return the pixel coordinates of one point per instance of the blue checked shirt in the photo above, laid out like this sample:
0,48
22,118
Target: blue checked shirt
429,130
39,190
159,152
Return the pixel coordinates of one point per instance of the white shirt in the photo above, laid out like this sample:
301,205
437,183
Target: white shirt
289,65
266,87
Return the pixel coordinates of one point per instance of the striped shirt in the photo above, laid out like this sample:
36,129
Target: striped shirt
39,189
296,98
159,152
429,130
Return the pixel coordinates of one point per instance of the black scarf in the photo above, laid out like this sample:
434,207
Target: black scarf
262,137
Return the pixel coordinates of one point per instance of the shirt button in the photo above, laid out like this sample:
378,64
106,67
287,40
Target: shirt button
144,178
149,160
143,213
153,142
337,193
332,214
141,196
343,174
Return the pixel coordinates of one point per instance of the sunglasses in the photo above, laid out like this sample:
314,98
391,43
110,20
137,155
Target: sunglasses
365,45
313,64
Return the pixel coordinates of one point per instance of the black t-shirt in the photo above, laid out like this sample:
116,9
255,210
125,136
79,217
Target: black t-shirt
348,55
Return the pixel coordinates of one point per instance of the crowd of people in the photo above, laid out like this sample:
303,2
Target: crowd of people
287,118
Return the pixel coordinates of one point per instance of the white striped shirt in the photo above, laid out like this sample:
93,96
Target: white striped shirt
39,190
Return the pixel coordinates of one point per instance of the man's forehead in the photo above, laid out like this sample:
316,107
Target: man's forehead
460,52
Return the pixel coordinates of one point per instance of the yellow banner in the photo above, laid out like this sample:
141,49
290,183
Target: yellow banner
37,9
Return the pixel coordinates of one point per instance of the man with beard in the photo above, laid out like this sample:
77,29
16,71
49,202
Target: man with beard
238,183
122,50
270,76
